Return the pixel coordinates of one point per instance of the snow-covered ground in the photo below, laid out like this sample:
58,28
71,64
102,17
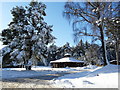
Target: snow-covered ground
80,77
38,77
104,77
36,71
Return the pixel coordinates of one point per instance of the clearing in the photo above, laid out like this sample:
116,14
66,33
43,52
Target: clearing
47,77
38,77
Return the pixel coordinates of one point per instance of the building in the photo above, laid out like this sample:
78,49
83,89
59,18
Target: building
67,61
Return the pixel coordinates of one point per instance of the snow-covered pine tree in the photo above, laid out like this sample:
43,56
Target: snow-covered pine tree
66,48
79,50
91,54
61,51
52,52
28,34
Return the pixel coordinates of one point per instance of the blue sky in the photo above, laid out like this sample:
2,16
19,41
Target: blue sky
61,28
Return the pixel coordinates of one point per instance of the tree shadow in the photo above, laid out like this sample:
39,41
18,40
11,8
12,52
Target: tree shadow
87,82
104,70
32,78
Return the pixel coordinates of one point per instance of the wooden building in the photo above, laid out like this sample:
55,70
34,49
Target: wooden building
67,61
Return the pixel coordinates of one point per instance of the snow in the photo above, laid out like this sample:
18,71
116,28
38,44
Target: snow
67,54
20,55
36,71
117,21
34,37
29,28
29,62
114,61
83,77
67,59
5,50
13,43
104,77
98,22
15,52
90,67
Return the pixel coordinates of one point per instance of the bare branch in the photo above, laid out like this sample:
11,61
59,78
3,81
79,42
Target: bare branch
85,18
87,34
89,14
79,15
92,4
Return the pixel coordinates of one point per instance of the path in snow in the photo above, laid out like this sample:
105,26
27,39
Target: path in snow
35,80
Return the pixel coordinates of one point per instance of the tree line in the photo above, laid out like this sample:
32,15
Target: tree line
29,39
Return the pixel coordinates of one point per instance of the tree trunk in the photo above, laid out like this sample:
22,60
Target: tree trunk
30,51
26,66
117,51
103,45
106,53
29,44
43,57
30,56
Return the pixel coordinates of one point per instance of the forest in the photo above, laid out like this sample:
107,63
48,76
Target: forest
32,59
28,38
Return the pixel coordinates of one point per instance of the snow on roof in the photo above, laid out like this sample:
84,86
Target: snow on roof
67,59
67,54
114,61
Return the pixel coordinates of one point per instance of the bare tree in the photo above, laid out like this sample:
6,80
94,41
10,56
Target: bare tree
113,34
88,19
112,28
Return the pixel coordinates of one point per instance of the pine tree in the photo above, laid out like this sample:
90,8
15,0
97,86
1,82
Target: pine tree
28,34
52,52
79,50
67,48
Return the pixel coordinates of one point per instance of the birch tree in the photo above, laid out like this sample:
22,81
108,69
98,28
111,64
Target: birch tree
88,19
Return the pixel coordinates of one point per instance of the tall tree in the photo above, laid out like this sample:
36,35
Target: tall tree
113,34
91,54
28,34
112,28
79,50
93,15
52,52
